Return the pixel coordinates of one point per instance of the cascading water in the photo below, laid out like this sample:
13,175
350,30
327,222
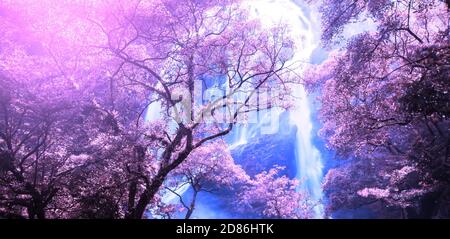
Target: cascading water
308,158
309,162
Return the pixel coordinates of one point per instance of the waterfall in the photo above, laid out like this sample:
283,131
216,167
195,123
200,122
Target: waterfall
239,136
308,158
153,112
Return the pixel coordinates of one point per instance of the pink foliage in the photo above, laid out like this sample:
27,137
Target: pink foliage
384,102
77,78
275,197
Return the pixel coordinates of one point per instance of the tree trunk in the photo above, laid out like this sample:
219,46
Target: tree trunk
404,213
35,211
132,189
150,192
36,207
40,213
138,211
192,206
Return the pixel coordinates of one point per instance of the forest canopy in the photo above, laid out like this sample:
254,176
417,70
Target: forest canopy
78,79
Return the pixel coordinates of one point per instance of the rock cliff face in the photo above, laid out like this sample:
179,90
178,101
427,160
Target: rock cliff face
263,152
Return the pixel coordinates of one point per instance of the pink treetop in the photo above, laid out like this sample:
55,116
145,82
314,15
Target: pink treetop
275,197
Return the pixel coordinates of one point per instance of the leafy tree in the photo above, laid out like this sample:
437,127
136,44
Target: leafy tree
384,101
209,169
77,79
270,196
